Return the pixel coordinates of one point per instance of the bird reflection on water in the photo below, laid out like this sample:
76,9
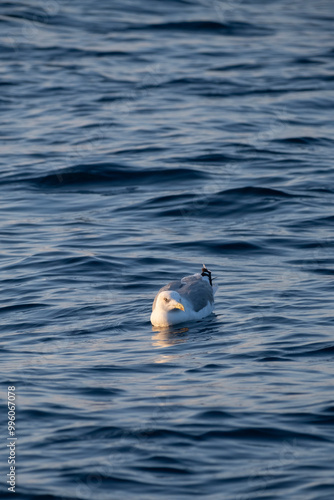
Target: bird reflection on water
168,337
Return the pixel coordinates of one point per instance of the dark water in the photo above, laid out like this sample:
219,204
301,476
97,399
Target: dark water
140,139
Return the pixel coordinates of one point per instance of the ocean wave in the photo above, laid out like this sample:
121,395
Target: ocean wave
113,175
235,28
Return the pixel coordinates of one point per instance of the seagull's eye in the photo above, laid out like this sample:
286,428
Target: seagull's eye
166,300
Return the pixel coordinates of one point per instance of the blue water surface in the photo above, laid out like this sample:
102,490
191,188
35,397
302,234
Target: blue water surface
139,140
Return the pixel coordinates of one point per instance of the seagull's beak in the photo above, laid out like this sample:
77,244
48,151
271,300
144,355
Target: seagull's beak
178,305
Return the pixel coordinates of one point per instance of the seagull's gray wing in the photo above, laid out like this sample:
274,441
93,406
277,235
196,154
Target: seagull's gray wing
197,291
193,288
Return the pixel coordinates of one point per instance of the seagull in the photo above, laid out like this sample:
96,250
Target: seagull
188,299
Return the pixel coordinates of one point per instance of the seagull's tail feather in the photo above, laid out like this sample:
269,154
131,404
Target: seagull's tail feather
207,273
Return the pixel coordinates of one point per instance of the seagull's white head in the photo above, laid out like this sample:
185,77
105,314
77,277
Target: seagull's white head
169,301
